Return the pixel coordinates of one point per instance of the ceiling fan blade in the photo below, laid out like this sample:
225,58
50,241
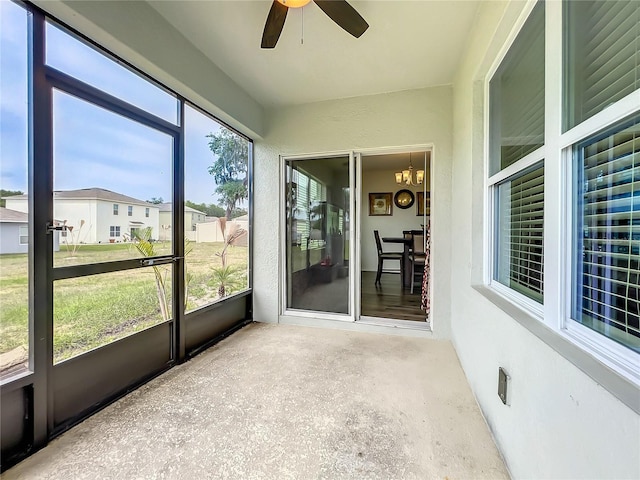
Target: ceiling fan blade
273,26
344,15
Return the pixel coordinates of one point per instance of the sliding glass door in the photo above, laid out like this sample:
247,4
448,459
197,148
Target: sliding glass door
318,222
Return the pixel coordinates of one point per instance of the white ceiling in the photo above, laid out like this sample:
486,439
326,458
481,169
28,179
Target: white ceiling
409,44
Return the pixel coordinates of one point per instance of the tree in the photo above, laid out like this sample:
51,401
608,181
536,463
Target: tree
8,193
211,210
230,168
238,212
156,201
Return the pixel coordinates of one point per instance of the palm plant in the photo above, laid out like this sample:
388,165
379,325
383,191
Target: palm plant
142,242
227,279
226,276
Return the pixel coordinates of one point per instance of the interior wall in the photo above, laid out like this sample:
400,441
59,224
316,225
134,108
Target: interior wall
413,117
560,423
374,181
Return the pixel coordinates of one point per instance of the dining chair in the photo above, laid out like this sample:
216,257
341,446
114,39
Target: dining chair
382,256
417,257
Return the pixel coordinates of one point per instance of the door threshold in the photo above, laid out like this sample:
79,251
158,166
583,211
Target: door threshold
394,322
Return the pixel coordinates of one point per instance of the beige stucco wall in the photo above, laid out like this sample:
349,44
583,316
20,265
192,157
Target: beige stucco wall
560,423
414,117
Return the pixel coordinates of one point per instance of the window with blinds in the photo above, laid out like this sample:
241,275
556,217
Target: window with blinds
601,56
305,193
520,217
607,234
517,96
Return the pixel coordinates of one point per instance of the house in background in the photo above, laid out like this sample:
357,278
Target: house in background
14,232
97,215
191,218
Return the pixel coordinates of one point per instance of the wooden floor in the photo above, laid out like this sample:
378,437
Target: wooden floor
389,300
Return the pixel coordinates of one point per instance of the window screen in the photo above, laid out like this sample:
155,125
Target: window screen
519,244
607,234
601,55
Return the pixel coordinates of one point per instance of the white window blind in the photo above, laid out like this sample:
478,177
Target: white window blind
308,192
520,233
603,63
607,237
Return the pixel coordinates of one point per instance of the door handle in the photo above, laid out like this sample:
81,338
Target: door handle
149,262
56,228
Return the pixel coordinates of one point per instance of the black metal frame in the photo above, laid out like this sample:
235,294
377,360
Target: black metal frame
50,398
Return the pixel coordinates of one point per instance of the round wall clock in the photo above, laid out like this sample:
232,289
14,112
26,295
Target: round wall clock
403,198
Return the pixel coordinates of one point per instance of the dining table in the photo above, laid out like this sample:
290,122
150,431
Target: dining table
406,241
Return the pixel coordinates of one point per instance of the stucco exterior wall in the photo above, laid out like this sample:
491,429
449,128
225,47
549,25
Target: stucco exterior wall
560,423
413,117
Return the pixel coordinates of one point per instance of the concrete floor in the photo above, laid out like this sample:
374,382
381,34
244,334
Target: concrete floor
280,402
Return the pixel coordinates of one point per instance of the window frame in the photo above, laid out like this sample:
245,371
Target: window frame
492,182
130,211
557,154
22,235
116,209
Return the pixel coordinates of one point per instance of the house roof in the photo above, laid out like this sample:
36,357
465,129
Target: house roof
166,207
13,216
93,193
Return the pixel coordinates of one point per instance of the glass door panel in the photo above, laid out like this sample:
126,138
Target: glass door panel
317,226
216,216
112,185
91,311
14,217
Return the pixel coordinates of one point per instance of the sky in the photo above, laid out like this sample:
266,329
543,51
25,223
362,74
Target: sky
94,147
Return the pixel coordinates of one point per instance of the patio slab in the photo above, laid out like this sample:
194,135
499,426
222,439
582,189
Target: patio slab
287,402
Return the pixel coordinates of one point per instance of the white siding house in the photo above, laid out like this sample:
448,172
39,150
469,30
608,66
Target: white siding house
14,232
192,217
97,215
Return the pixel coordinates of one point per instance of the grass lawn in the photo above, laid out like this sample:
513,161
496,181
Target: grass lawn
91,311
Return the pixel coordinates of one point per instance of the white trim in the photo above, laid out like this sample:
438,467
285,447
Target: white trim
355,250
282,234
396,323
566,246
517,167
530,306
554,215
517,26
295,312
612,114
609,352
356,326
355,185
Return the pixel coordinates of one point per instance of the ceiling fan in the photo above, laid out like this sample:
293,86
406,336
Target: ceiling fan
337,10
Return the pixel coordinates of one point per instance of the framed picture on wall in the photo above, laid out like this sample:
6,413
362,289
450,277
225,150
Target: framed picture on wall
380,203
423,205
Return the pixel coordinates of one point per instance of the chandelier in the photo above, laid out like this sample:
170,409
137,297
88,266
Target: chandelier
406,176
